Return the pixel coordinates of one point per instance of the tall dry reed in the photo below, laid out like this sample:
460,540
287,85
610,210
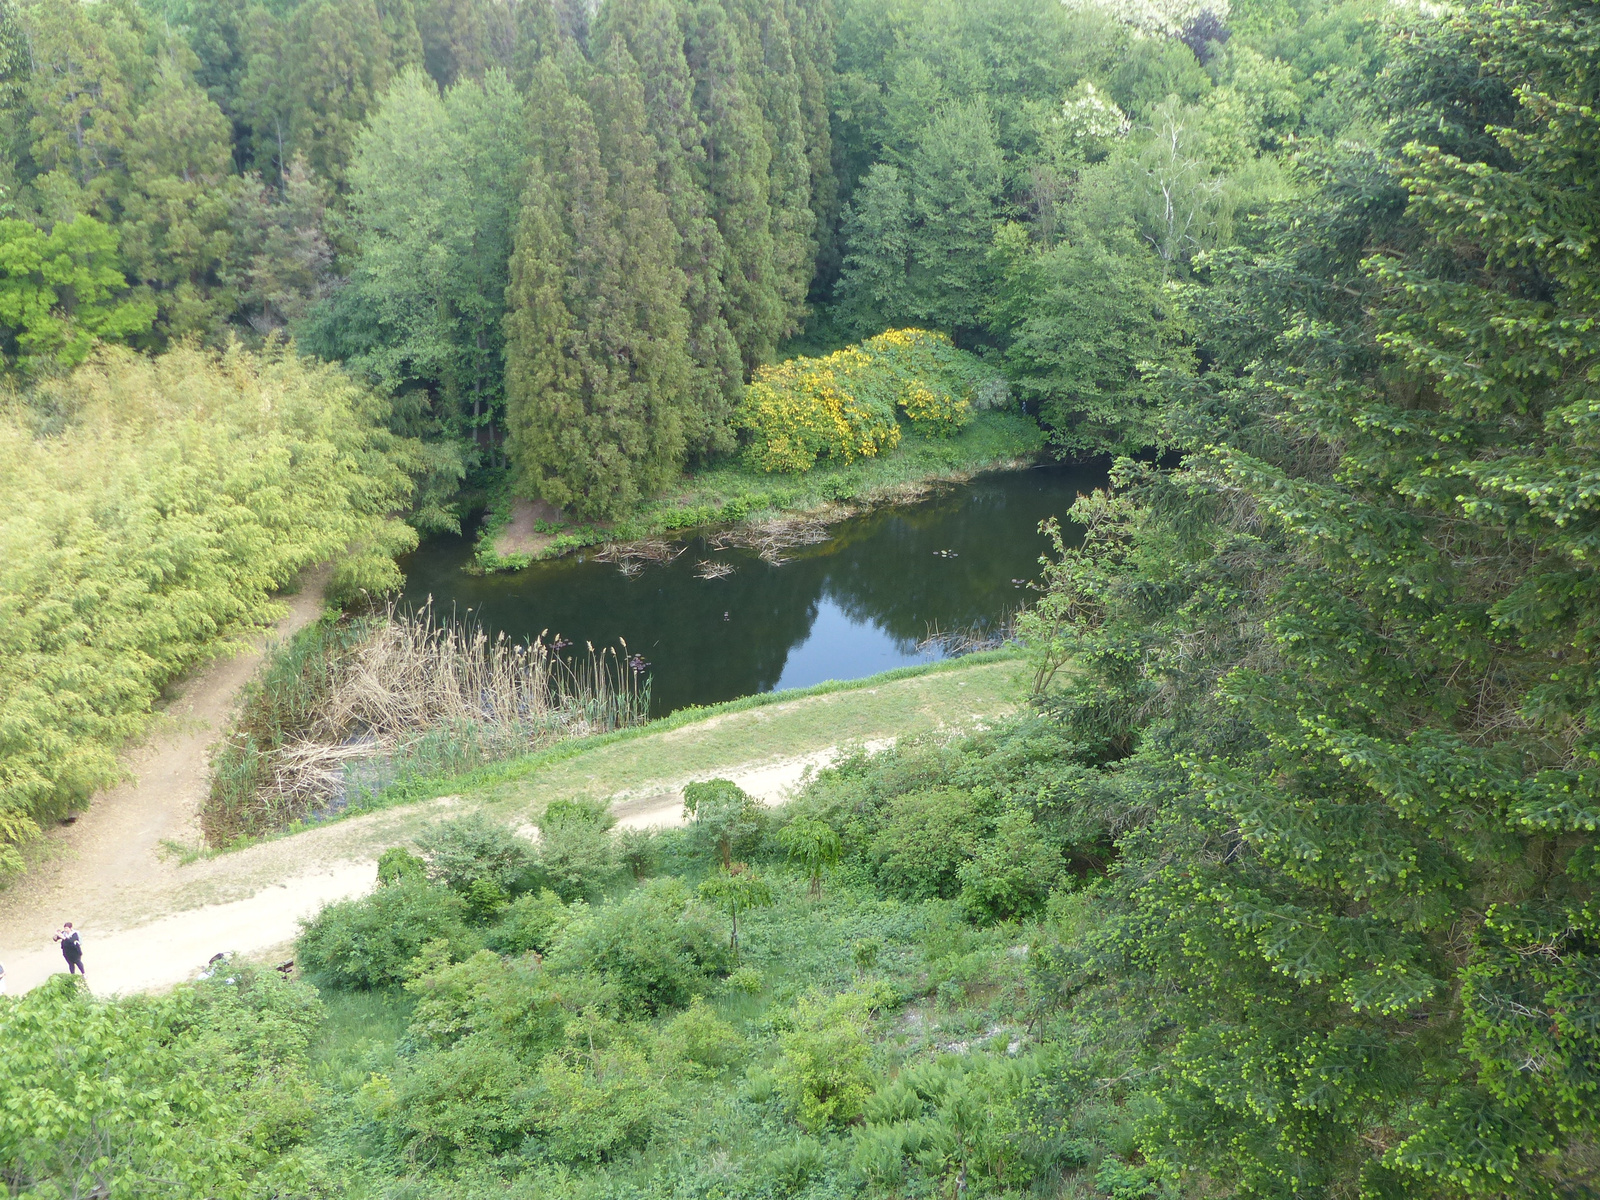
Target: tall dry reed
403,695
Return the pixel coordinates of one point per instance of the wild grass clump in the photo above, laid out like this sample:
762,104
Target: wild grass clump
351,707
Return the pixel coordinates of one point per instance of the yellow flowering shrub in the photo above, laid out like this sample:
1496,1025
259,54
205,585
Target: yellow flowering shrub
846,405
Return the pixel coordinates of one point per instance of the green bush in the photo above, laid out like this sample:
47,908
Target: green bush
844,405
1011,873
532,921
577,855
823,1070
724,821
923,842
372,942
699,1039
462,851
651,951
504,1000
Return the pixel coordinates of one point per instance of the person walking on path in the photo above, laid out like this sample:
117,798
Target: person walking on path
71,948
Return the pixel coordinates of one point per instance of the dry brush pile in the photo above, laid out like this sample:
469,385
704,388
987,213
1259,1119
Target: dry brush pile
351,707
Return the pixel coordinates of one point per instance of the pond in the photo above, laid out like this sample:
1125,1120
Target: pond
864,601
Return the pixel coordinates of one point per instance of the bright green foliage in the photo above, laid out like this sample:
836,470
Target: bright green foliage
955,1119
648,952
812,844
724,819
700,1040
736,891
1090,331
62,290
844,405
916,243
153,507
120,130
923,842
1011,873
577,853
823,1070
531,922
196,1094
463,851
397,864
374,942
434,183
1339,658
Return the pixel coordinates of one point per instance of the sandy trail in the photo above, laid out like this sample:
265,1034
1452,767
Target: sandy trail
261,893
113,867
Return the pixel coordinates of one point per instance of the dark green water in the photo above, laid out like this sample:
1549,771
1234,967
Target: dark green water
852,606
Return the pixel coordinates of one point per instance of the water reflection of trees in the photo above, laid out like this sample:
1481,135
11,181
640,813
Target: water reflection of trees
881,569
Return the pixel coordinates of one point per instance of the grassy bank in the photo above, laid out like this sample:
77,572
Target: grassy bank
956,694
731,492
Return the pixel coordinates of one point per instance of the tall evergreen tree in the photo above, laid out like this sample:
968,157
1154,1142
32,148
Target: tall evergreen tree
735,172
812,39
597,369
775,79
653,33
463,39
1345,659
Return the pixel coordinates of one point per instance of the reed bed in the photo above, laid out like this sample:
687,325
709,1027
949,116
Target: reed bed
341,714
971,639
770,539
632,557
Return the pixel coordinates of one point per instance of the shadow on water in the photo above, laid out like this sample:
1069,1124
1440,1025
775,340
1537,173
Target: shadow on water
852,606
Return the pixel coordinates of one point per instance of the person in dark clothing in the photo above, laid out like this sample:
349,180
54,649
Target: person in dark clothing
71,948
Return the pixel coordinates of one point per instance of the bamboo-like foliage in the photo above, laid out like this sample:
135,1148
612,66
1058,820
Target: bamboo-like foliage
404,695
151,509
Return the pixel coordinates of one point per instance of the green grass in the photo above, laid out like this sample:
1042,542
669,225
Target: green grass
730,492
958,693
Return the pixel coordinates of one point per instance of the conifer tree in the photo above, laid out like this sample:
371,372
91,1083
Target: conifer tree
339,56
597,369
536,35
812,40
653,34
770,67
462,39
736,173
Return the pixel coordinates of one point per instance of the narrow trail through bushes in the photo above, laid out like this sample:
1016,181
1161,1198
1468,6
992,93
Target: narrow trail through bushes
150,920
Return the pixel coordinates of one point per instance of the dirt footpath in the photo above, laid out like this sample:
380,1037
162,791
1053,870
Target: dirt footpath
112,867
277,886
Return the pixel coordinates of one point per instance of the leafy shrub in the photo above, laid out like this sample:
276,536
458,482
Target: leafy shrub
701,1039
844,405
577,854
652,950
373,941
591,1108
923,842
486,995
823,1070
188,1095
464,850
1011,873
723,819
397,863
532,921
470,1096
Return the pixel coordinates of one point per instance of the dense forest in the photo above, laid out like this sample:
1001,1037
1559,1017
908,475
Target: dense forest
1281,883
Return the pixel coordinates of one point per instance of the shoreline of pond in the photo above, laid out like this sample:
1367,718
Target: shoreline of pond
731,500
